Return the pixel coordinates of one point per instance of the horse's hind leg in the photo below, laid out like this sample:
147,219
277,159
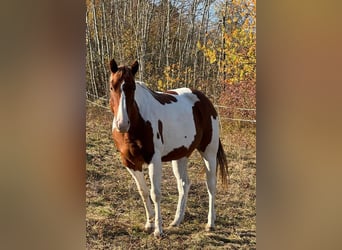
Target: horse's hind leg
179,168
144,193
210,159
210,170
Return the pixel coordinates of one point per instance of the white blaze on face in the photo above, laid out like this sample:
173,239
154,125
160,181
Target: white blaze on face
121,120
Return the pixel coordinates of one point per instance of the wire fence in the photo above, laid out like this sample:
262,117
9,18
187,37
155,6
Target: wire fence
99,105
216,106
237,119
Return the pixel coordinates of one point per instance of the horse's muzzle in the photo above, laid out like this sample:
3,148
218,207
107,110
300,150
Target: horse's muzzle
121,126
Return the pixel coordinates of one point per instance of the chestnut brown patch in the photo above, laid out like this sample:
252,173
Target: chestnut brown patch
163,98
122,73
160,129
176,154
136,146
203,110
171,92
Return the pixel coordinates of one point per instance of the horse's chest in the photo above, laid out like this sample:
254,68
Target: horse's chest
134,151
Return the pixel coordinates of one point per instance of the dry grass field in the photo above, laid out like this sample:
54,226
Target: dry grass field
115,213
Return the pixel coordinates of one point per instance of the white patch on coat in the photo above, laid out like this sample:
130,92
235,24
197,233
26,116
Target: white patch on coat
177,117
113,124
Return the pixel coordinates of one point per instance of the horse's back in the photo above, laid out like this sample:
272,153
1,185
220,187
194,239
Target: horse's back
190,123
179,129
182,120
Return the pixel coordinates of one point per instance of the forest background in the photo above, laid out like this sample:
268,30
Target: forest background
202,44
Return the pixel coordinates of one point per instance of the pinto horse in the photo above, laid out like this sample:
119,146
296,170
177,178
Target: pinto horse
152,127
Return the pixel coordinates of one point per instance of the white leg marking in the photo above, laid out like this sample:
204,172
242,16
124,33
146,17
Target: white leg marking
155,172
179,168
144,193
210,160
210,171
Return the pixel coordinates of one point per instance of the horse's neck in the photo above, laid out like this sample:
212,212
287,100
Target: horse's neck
143,106
143,97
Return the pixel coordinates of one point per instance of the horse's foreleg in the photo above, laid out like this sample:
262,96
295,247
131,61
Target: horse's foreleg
144,193
155,172
179,168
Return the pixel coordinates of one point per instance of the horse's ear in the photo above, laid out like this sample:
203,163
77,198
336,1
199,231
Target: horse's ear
113,66
135,67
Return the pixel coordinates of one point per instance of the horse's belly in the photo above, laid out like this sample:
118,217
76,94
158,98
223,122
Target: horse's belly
179,142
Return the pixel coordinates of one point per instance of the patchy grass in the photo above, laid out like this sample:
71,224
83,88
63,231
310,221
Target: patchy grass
115,213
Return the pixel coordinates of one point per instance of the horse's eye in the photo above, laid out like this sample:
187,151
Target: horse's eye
111,88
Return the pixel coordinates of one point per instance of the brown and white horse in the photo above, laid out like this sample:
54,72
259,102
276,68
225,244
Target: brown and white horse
151,127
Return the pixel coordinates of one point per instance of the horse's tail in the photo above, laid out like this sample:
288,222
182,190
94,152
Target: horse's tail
223,164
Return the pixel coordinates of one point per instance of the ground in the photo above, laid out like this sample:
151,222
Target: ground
115,213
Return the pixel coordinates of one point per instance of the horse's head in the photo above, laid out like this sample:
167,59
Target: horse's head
122,88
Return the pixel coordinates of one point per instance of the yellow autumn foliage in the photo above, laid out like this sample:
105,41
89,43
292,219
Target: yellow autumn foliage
234,54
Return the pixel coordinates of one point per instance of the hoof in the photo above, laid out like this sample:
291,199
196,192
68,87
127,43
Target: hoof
158,235
148,229
209,228
174,224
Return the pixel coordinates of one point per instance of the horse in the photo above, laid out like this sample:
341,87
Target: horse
152,127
